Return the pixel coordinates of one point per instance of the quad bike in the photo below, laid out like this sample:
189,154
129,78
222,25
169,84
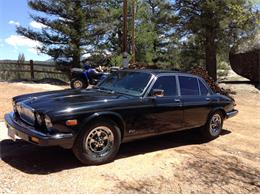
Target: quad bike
82,78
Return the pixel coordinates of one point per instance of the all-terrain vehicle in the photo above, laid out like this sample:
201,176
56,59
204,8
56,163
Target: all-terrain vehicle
82,78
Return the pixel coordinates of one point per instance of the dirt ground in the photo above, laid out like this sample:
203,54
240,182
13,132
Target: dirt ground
175,163
9,90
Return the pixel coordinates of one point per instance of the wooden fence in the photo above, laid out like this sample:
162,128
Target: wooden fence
32,70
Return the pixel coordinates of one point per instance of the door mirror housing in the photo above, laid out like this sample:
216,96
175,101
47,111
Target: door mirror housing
157,93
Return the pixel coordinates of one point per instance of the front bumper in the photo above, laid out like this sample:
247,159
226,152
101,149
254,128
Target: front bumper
29,134
231,113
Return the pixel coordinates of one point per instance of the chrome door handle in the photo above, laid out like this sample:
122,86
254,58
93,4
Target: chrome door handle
207,99
177,100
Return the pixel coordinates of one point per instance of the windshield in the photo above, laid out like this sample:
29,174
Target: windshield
130,83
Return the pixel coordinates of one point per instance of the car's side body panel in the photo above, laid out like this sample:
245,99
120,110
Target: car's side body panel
196,110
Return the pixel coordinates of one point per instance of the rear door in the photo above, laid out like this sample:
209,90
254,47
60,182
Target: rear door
196,101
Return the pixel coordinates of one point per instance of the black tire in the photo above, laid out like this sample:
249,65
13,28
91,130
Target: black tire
83,150
210,133
75,82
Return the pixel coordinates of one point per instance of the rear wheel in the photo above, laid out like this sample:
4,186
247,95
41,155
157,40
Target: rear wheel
78,83
98,144
214,126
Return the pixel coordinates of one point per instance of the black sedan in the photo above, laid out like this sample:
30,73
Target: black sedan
127,105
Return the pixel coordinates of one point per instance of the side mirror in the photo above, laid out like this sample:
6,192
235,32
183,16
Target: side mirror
158,93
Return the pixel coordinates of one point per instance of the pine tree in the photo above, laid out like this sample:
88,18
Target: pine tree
155,35
217,23
154,20
113,43
70,29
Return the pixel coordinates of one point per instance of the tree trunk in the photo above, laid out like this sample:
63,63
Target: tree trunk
120,39
76,62
76,57
211,53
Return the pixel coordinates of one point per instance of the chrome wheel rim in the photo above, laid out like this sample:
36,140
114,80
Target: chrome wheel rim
78,84
100,141
215,125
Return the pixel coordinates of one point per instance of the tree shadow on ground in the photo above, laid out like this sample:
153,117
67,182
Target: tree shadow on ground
32,159
213,174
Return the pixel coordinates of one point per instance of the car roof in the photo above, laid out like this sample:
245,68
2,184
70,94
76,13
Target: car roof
159,71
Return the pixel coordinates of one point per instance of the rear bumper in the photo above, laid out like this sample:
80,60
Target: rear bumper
231,114
27,133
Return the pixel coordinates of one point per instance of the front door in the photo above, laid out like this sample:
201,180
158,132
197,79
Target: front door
159,114
167,112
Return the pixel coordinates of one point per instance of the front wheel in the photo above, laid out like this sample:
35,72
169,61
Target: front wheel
98,144
214,126
78,83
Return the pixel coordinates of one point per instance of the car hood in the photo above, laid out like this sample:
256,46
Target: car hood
69,99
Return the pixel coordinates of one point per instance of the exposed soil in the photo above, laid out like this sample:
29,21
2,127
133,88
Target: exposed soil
175,163
9,90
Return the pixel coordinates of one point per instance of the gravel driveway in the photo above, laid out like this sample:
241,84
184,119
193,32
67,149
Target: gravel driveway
175,163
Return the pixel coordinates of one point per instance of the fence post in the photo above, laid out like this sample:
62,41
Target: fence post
258,62
31,68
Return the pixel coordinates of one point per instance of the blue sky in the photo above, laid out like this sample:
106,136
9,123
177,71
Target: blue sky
16,12
12,13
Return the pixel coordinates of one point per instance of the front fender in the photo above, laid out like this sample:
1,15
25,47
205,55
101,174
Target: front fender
83,75
117,117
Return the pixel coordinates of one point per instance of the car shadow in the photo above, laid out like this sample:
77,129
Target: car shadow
32,159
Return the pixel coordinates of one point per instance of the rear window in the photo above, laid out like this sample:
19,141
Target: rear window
189,85
203,89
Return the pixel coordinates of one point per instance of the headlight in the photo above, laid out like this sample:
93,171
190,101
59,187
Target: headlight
48,122
39,118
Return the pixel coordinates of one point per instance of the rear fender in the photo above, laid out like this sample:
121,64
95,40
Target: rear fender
221,109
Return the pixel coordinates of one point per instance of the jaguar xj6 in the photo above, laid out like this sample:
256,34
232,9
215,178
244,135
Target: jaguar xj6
127,105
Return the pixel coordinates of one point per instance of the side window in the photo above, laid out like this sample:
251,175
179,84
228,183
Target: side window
189,85
203,89
166,83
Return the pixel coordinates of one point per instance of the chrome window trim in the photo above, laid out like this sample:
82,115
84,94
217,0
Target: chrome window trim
148,85
177,75
199,87
178,86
